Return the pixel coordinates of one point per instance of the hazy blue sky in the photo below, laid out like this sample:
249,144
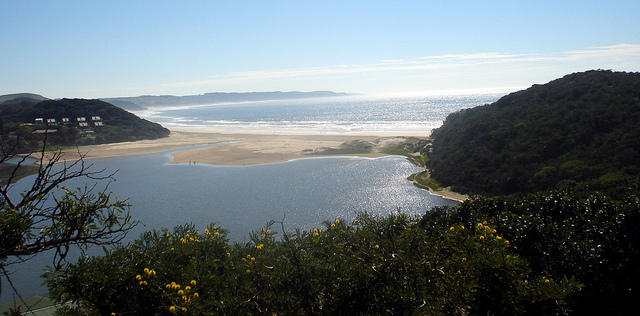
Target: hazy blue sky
113,48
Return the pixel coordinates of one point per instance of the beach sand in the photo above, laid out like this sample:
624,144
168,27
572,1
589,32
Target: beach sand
242,148
246,148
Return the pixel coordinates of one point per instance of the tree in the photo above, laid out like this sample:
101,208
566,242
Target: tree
50,216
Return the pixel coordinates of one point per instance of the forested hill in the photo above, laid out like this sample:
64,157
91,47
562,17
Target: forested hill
72,122
580,130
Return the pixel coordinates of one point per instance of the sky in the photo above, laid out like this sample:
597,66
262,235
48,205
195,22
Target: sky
94,49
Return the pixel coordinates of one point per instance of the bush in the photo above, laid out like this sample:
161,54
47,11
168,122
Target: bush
386,265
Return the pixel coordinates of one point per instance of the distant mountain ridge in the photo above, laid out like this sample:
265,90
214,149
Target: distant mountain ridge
145,101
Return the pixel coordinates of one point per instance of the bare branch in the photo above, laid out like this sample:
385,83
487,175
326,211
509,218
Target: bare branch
79,218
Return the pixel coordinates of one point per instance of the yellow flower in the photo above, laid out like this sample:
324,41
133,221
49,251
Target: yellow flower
217,234
172,309
152,272
206,231
248,271
479,224
172,249
452,228
333,225
462,227
481,237
268,231
253,259
316,234
228,254
506,242
546,281
167,235
113,314
184,309
464,259
376,246
168,286
182,240
193,282
499,238
138,277
337,221
143,283
195,294
187,288
181,292
260,246
494,231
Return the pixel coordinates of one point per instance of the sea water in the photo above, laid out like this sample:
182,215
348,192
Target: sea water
301,193
346,114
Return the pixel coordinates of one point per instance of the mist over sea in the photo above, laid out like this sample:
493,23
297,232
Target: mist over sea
347,114
303,193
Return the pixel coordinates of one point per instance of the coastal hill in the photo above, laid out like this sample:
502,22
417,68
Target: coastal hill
145,101
16,98
69,122
582,130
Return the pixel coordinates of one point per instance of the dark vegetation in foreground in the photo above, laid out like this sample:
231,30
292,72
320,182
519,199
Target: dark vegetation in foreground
544,254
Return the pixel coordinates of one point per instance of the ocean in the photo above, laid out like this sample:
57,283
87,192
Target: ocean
348,114
302,193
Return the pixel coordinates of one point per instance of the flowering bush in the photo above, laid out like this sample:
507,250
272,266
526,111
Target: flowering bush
374,265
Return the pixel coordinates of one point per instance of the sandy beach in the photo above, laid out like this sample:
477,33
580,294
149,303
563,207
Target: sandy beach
241,148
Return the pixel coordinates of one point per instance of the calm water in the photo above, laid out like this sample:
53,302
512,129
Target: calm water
303,192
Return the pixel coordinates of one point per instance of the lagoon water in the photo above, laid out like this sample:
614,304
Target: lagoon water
302,193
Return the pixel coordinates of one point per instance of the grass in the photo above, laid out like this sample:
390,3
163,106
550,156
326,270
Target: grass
424,180
6,169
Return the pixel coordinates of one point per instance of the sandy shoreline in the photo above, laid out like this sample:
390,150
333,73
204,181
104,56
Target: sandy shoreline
242,149
245,148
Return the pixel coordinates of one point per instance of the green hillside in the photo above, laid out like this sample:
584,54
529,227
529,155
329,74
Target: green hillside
582,130
72,122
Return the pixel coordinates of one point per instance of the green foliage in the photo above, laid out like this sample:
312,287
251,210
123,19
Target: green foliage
424,180
119,125
388,265
593,239
566,133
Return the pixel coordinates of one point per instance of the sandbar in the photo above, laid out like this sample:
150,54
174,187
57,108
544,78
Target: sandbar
249,148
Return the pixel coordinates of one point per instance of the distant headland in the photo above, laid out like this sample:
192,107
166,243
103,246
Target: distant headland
146,101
